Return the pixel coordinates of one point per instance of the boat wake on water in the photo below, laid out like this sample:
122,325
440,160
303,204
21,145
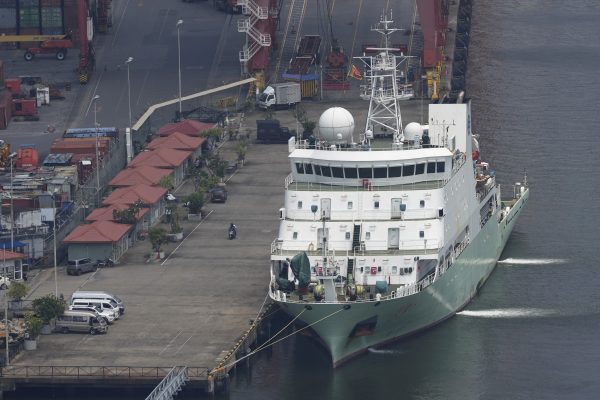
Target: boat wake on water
508,313
383,351
532,261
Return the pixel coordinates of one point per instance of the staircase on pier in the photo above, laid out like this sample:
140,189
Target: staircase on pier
255,39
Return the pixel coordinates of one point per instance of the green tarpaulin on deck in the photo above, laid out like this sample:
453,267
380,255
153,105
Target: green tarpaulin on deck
301,269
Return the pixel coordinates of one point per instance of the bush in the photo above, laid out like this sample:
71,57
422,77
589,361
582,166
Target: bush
49,307
17,291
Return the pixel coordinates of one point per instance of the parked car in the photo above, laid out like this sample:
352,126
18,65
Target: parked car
80,265
81,321
218,195
106,314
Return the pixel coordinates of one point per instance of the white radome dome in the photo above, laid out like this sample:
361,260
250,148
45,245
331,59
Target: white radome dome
413,130
336,125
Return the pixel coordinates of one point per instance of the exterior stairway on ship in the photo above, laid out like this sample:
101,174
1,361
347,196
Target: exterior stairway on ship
355,247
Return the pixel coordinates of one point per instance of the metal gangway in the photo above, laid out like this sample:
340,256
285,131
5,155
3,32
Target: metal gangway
170,385
289,42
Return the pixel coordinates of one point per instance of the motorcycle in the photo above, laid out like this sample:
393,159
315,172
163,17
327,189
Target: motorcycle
232,233
107,262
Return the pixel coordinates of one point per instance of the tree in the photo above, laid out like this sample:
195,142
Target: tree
241,149
195,202
17,291
175,220
158,237
166,182
49,307
309,126
212,132
128,215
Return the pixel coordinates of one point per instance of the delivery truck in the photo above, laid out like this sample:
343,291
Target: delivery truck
280,95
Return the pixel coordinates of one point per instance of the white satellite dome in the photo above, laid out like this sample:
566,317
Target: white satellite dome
336,125
413,130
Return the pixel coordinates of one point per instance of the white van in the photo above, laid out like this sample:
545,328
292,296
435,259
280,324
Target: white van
99,295
100,304
81,321
107,315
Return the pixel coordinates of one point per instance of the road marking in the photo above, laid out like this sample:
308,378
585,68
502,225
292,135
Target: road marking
184,343
169,344
188,235
120,22
142,88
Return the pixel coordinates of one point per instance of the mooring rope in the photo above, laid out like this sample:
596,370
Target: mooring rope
261,348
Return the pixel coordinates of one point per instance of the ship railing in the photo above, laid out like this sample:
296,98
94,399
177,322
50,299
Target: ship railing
408,145
382,215
343,248
110,372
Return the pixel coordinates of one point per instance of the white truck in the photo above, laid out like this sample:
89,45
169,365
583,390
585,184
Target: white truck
280,95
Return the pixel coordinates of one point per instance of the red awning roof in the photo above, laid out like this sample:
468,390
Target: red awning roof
177,141
145,174
7,255
97,232
188,127
106,213
130,194
161,158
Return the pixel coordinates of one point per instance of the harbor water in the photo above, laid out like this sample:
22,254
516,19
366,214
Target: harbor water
532,332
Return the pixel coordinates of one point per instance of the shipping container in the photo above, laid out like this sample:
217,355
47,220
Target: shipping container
5,108
8,15
83,147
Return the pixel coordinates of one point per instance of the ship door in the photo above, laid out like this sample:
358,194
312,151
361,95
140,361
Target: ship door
326,208
397,208
322,233
393,238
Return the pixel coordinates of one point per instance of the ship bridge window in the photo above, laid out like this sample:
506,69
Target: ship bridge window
350,173
420,169
308,169
395,172
326,170
431,167
408,170
337,172
300,168
380,172
365,173
317,169
299,205
441,166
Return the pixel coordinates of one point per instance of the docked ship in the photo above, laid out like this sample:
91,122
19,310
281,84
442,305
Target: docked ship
378,241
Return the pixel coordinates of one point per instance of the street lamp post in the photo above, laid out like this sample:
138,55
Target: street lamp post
4,268
54,237
127,62
178,25
95,100
12,217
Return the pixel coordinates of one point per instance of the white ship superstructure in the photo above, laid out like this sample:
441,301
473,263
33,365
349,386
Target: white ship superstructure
378,243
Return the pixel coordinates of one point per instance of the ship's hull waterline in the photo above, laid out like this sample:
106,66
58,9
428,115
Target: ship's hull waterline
403,316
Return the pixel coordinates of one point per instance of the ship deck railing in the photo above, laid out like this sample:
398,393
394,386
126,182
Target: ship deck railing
401,290
336,248
349,216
